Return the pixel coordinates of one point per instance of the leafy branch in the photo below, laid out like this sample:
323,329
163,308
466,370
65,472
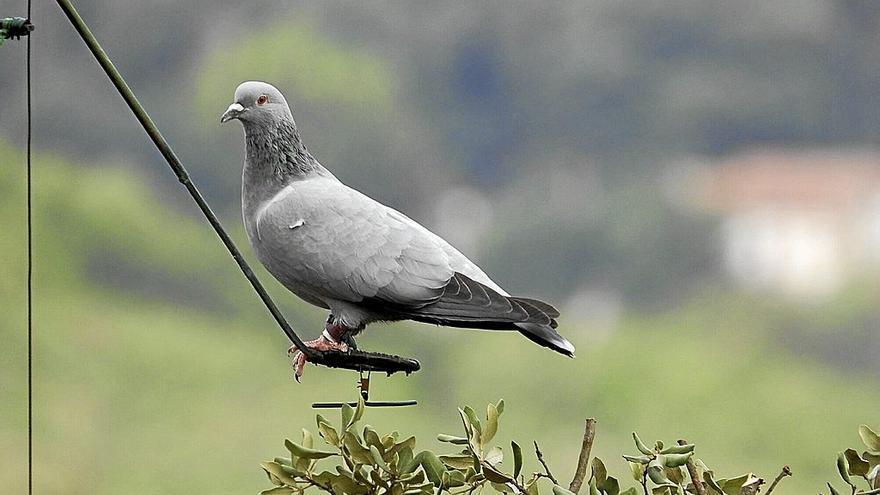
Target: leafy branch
363,462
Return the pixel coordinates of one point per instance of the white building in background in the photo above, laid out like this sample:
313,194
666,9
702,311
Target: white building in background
799,223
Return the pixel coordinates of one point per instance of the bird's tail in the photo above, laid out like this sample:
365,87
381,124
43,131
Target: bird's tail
546,336
470,304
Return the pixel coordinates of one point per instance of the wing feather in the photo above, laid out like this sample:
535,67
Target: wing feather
351,247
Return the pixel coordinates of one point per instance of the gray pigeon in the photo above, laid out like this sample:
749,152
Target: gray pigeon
341,250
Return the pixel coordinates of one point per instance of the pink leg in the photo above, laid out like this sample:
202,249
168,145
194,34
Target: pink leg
335,332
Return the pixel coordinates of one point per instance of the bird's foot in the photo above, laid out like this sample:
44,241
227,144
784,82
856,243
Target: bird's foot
322,343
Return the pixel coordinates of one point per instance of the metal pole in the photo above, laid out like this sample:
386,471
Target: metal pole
170,157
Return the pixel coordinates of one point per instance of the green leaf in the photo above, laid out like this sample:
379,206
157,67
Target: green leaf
678,449
675,475
843,469
459,461
874,476
377,458
708,478
302,464
404,458
500,487
491,425
358,452
409,443
372,438
494,475
472,417
674,460
454,479
517,457
321,419
870,438
347,417
599,472
343,483
432,465
361,475
388,440
272,478
638,470
558,490
275,469
832,489
415,478
702,467
278,490
418,491
468,427
640,445
733,486
611,486
500,406
358,411
657,474
640,459
292,470
300,451
494,456
857,465
308,440
328,433
630,491
452,439
377,480
532,487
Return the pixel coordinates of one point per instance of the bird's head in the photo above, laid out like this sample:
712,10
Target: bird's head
257,102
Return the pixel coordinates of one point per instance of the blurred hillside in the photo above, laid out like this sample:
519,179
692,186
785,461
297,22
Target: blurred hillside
553,143
138,391
410,103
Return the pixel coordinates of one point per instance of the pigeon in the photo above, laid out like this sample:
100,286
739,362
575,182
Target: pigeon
341,250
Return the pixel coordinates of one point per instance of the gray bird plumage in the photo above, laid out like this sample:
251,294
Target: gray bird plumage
341,250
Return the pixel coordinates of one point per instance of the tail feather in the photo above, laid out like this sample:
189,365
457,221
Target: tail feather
546,336
470,304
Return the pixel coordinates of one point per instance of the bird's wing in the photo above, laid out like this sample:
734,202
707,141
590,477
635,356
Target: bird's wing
341,242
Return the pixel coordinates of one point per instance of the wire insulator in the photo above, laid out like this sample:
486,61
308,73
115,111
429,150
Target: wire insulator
14,27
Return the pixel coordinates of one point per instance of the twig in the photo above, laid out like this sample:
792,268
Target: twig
584,458
786,471
692,471
541,460
645,481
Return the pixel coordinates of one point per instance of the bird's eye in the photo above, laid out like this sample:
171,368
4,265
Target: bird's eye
262,100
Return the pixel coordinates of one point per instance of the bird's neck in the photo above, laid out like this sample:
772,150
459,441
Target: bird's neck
277,152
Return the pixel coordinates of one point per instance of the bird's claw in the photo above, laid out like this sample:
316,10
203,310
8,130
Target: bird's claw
322,343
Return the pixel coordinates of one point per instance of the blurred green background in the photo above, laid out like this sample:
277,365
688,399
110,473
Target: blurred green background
564,146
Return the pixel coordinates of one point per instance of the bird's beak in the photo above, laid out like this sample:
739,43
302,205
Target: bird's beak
232,112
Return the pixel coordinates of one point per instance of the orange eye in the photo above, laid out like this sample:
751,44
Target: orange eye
262,100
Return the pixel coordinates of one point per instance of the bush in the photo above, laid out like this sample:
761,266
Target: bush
365,462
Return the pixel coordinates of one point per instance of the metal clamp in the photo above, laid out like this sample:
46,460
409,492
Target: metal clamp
364,387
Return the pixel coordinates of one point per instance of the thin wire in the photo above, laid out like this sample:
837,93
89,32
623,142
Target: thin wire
30,272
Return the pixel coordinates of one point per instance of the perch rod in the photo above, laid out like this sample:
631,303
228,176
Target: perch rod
356,360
